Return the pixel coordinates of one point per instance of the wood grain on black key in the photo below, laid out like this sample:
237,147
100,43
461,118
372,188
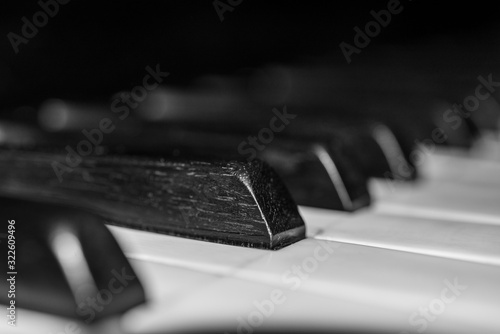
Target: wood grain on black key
238,203
317,172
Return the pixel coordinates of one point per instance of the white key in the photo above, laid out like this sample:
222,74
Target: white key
186,300
230,304
399,282
183,299
29,322
393,280
181,252
488,146
462,167
439,200
471,242
162,284
380,288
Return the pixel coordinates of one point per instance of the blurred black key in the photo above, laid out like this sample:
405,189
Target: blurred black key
381,92
65,262
372,146
385,91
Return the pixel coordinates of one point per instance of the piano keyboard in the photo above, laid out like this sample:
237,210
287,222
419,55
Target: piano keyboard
388,264
372,270
303,196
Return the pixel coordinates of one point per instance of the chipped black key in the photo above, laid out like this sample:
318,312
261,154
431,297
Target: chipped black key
237,203
64,261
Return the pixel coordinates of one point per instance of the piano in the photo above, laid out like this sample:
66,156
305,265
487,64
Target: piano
234,167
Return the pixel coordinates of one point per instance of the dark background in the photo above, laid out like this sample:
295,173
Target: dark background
90,50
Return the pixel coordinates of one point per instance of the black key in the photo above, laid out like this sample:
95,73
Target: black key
65,262
318,173
381,92
371,146
231,202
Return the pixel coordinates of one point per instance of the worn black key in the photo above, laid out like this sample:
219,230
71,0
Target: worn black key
64,262
231,202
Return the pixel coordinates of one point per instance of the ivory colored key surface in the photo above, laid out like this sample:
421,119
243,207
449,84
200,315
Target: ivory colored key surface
464,241
169,283
31,322
471,203
237,306
214,302
208,257
234,304
456,185
197,301
395,281
488,145
166,284
480,164
203,301
464,167
452,212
